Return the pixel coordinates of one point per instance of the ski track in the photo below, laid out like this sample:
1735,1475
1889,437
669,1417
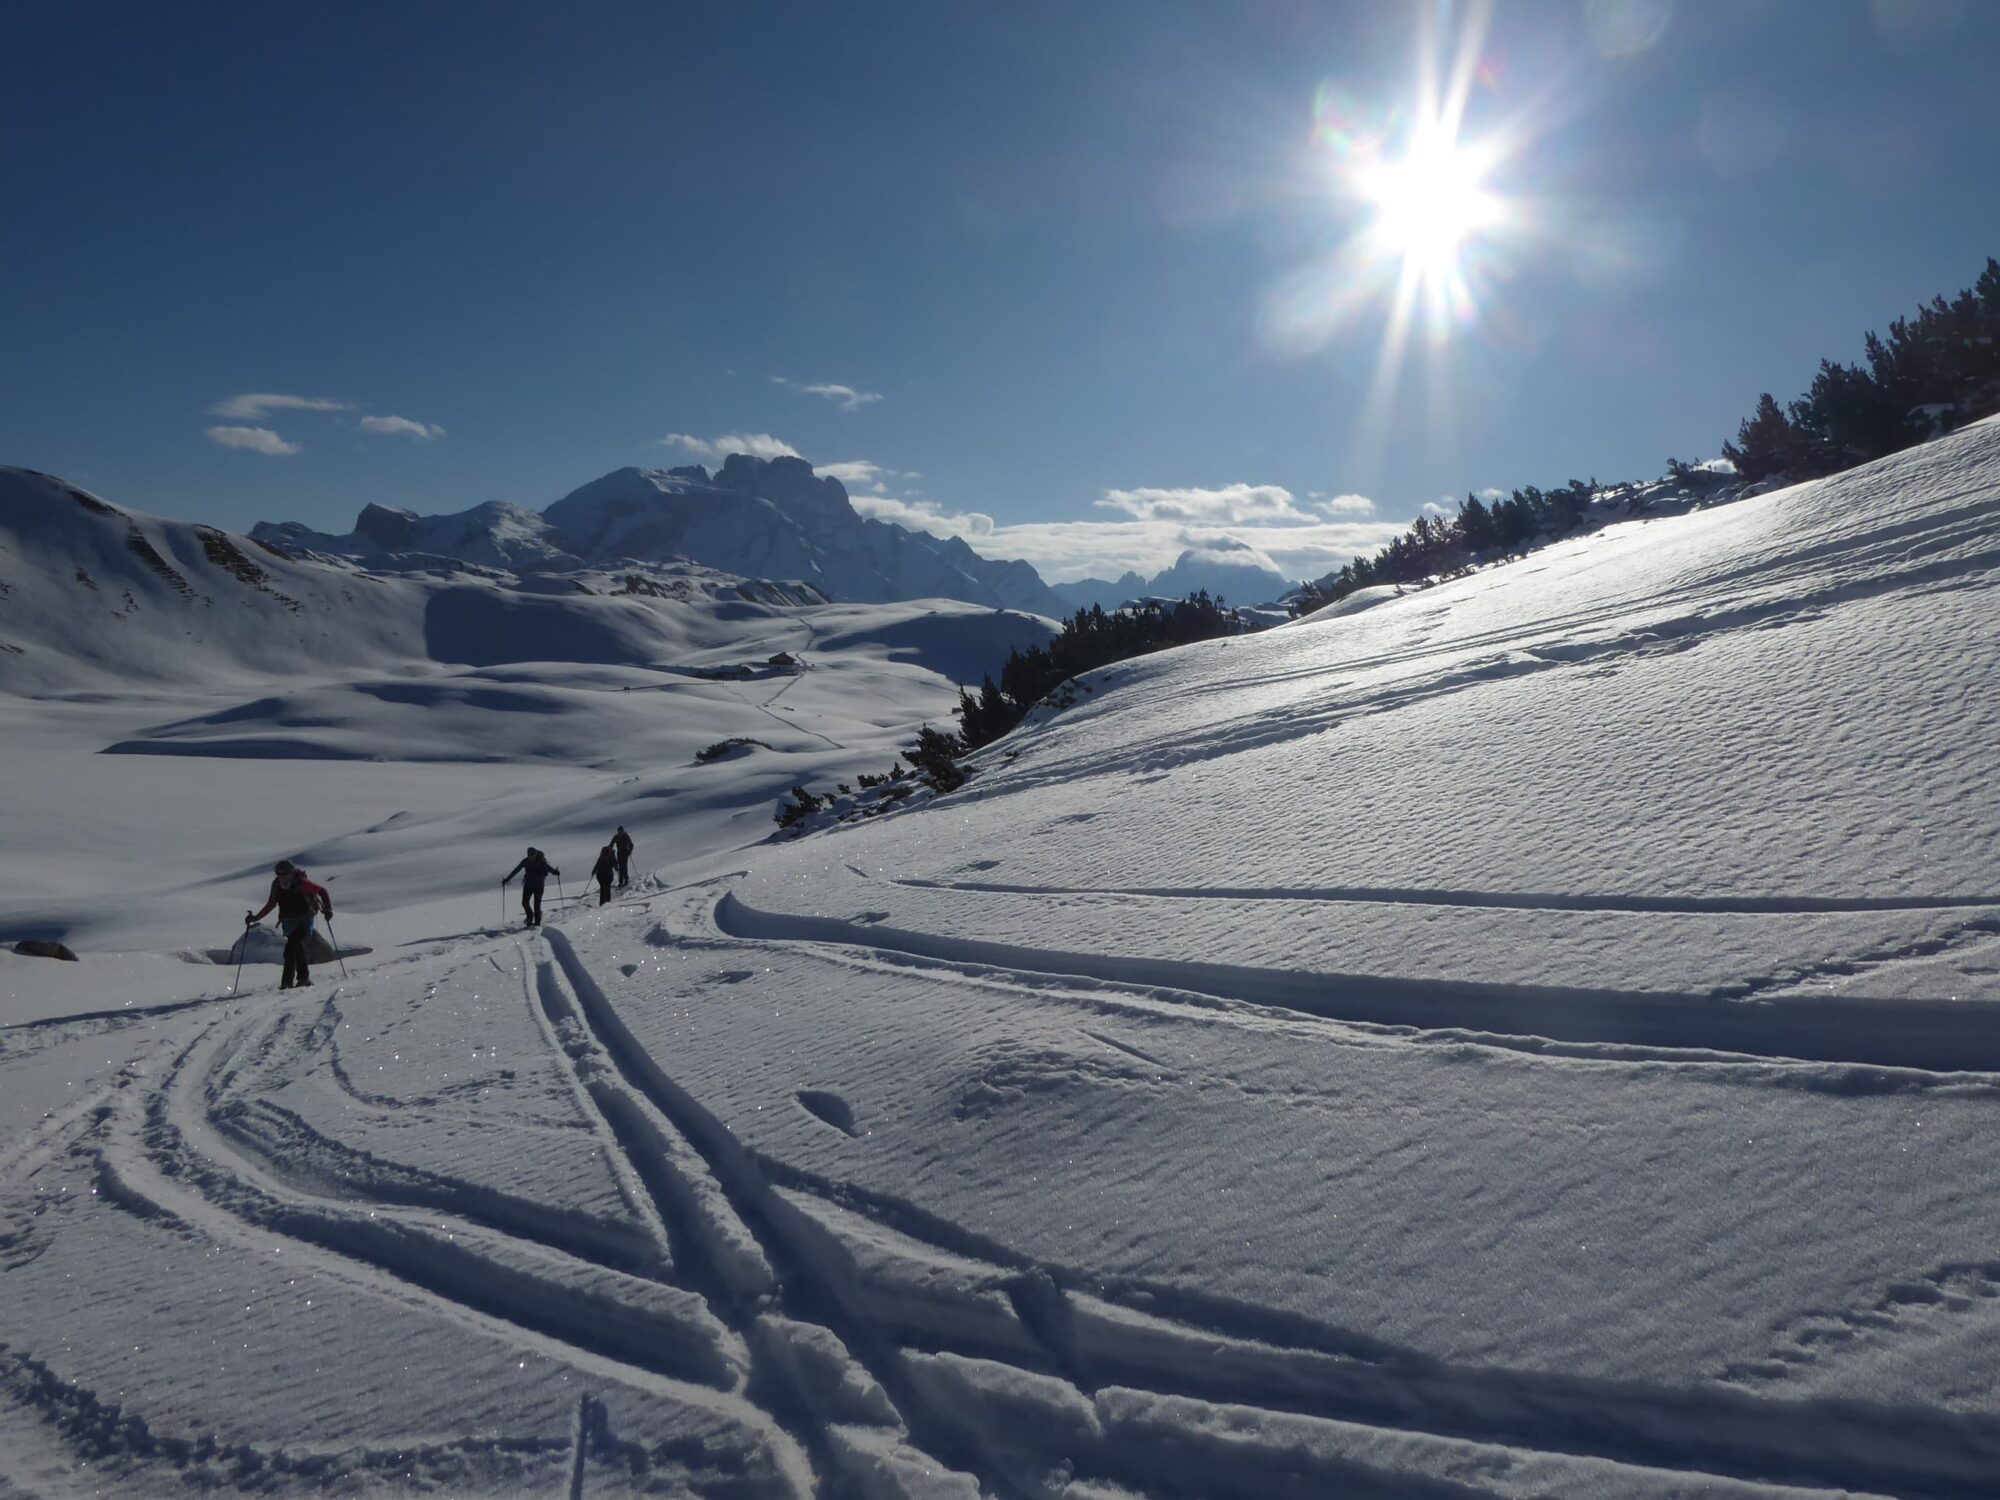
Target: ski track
1105,1339
739,1288
1505,900
1930,1036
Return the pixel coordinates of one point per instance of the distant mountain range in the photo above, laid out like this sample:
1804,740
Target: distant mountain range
95,596
758,518
1229,570
95,599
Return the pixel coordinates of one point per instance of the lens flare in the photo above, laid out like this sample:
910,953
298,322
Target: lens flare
1430,201
1424,230
1431,223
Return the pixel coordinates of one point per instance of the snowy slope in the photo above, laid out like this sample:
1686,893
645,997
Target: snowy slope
1535,1036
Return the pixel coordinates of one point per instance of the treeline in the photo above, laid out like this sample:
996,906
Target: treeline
1933,373
1090,638
1447,546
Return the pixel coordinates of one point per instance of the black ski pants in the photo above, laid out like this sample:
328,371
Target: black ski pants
604,889
531,904
624,868
295,957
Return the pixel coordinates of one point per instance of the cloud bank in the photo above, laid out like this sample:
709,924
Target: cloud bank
1064,551
1300,540
1231,503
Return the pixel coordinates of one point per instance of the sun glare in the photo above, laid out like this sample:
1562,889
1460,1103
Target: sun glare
1421,184
1428,203
1433,229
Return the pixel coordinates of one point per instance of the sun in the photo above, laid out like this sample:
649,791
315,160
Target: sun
1428,203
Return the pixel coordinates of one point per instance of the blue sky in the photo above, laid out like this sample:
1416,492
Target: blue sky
1081,282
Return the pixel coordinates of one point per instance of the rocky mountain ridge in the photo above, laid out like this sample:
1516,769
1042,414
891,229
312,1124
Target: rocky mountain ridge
759,518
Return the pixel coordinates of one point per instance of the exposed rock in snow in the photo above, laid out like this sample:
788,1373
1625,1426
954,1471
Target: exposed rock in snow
44,948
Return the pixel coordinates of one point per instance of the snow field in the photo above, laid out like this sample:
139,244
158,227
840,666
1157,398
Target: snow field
1534,1036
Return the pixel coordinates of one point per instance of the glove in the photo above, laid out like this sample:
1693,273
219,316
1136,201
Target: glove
249,919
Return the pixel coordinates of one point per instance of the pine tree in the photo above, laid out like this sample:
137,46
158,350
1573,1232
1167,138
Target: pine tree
1766,443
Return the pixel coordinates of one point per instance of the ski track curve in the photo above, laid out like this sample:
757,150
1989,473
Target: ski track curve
745,1296
1502,900
1929,1036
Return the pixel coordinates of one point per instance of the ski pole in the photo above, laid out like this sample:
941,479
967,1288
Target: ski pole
336,946
503,903
560,897
242,949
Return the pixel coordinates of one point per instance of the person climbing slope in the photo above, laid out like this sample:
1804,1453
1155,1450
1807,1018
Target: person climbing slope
621,844
602,871
534,870
298,901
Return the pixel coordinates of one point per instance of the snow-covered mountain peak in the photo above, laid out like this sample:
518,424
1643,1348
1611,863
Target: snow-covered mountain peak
762,518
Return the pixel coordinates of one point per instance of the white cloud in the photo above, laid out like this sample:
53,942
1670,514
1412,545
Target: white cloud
1232,503
402,427
1228,551
714,450
924,515
858,472
255,439
1345,505
1491,493
1432,508
846,397
257,404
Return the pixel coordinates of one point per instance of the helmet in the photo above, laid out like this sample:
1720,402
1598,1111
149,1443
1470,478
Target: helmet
284,867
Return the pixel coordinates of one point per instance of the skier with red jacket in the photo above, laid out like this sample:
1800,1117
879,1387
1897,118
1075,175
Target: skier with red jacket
298,901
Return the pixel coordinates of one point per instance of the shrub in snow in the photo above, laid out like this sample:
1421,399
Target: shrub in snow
791,815
721,748
935,759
